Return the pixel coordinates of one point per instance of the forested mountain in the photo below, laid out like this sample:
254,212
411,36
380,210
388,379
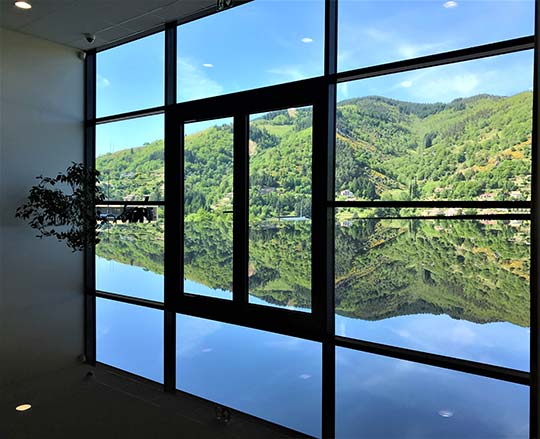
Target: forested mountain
477,148
474,148
476,270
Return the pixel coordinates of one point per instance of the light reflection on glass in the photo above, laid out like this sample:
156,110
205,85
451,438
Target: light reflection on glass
130,337
271,376
384,398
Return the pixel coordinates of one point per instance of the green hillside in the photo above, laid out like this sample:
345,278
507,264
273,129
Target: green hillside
477,148
474,148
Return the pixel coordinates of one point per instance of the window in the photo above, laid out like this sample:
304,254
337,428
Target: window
446,285
130,159
275,41
131,76
455,132
271,376
368,275
130,337
380,397
208,208
402,30
280,187
129,256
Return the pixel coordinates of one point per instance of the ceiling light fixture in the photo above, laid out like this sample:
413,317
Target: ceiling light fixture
23,407
23,5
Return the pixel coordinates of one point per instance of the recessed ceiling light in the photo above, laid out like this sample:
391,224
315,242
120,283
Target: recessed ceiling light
23,407
23,5
307,40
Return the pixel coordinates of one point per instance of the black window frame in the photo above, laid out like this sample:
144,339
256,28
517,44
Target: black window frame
318,325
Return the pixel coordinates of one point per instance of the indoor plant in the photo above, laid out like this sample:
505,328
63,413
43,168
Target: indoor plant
63,207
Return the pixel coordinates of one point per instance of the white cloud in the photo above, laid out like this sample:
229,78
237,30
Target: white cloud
208,65
434,85
307,40
194,83
102,82
450,4
403,333
289,73
343,93
408,50
406,84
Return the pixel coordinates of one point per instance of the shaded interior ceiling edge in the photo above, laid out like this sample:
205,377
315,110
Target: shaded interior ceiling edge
204,12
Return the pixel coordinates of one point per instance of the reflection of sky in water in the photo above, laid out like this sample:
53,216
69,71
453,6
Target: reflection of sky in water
271,376
500,343
378,397
114,277
278,378
130,337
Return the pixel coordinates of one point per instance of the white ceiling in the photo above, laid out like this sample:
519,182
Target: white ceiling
65,21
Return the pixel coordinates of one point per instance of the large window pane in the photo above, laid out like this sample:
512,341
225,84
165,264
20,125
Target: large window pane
454,132
129,256
383,398
379,31
257,44
130,337
130,158
280,150
208,204
457,287
271,376
131,76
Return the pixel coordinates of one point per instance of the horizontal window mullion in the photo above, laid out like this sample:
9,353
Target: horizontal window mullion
131,300
455,56
457,364
440,204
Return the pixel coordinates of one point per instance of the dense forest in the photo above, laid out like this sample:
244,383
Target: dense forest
476,148
476,270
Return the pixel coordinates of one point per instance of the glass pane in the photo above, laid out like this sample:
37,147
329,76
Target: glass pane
208,207
271,376
384,398
130,338
280,149
275,41
456,287
377,32
130,158
129,256
131,77
454,132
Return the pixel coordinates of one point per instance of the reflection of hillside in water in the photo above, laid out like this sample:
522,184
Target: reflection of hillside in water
475,270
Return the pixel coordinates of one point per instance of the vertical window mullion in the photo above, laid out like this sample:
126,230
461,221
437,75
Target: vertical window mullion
534,430
240,210
90,251
174,195
327,306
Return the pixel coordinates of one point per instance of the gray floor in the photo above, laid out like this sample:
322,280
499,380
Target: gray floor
111,404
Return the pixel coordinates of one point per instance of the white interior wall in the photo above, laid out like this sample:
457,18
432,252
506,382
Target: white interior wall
41,281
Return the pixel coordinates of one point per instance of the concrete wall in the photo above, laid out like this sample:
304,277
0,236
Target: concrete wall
41,281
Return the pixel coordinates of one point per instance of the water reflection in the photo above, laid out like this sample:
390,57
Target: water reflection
385,398
453,287
271,376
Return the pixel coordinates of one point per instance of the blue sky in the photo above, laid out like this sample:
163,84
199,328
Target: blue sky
274,41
